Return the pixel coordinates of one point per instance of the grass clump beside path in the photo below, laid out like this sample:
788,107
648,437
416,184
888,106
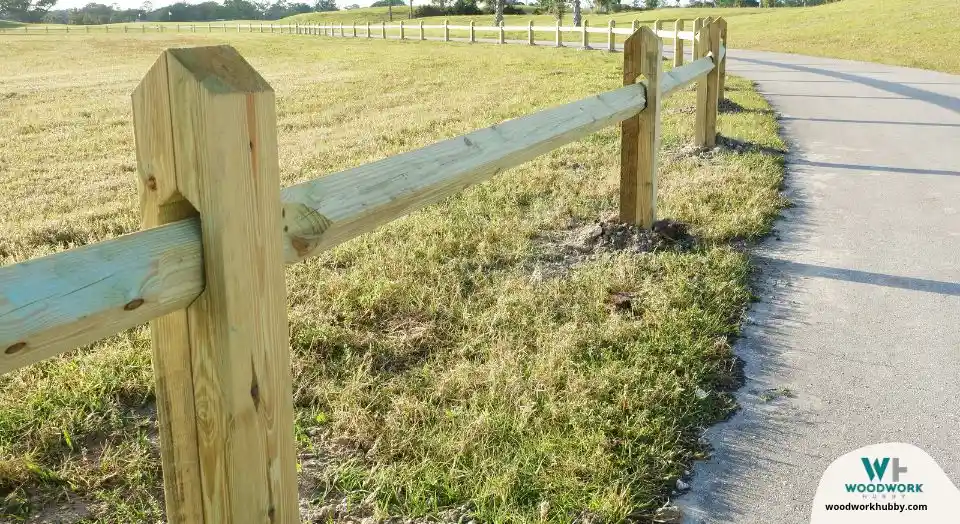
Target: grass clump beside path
449,360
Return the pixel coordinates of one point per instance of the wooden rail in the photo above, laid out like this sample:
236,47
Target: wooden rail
206,271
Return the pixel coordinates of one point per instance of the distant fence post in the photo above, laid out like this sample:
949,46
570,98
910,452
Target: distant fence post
368,31
559,38
677,43
657,26
611,41
401,30
446,30
635,26
383,30
586,36
422,35
640,136
354,29
473,32
500,38
722,24
222,365
530,39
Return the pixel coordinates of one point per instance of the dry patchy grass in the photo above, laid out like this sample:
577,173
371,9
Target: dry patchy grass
434,365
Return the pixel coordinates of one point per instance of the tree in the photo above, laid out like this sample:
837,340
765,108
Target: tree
497,12
577,16
652,4
25,10
325,5
555,7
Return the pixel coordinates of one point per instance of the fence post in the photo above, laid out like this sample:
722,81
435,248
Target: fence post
222,365
722,24
697,25
239,28
559,38
446,30
705,129
383,29
354,29
611,42
677,43
401,30
473,32
500,36
657,26
422,36
586,38
530,33
640,136
368,30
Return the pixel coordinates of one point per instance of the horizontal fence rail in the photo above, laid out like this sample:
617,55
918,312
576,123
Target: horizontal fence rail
209,277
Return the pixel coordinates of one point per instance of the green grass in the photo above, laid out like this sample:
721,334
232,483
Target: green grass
434,364
4,24
896,32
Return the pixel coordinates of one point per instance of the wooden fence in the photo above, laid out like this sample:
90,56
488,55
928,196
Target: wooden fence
400,30
207,269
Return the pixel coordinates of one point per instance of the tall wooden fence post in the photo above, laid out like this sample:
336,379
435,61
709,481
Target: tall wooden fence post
585,44
446,30
657,26
354,29
530,33
559,38
677,43
500,36
401,30
697,26
222,365
722,24
368,31
705,129
383,30
611,40
640,136
473,32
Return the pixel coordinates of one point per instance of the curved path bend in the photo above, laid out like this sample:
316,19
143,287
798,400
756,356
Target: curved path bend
855,339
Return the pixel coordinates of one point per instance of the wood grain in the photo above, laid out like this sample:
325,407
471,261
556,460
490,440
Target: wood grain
224,139
161,203
640,137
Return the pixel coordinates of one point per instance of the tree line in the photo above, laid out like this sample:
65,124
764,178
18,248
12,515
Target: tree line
34,11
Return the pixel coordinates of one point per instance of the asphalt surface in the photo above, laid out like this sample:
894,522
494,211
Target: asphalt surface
856,337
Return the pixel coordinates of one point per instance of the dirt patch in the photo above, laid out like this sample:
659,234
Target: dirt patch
560,251
67,511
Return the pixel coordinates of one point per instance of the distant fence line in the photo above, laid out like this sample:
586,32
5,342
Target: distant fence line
405,31
207,269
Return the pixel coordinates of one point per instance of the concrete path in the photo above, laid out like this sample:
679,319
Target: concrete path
856,338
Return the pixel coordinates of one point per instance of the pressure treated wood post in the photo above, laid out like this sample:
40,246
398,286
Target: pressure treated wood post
355,29
368,31
585,44
722,24
383,30
705,129
473,32
611,42
697,26
530,33
657,26
559,38
500,35
677,43
635,26
205,127
446,30
640,136
401,30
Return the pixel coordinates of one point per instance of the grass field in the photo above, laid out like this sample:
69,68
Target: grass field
453,359
898,32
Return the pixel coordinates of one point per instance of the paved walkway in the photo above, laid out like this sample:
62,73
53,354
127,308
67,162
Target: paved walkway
856,337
